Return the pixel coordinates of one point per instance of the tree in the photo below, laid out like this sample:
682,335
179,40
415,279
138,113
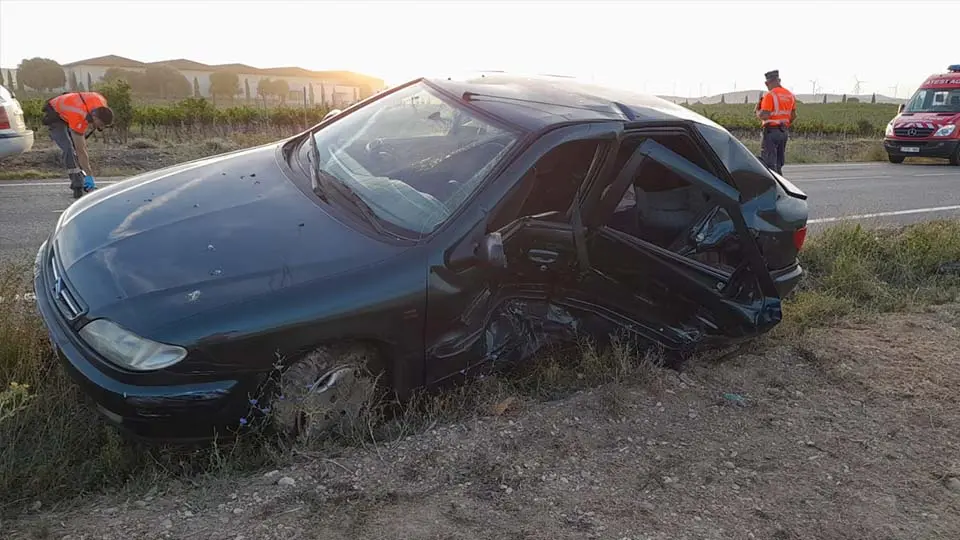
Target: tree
312,97
746,98
196,87
19,82
824,98
41,74
132,78
844,100
278,88
853,100
74,85
89,82
873,99
117,93
723,99
224,83
9,80
281,89
246,89
165,82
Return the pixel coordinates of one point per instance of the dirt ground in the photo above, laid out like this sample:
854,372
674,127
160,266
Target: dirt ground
852,432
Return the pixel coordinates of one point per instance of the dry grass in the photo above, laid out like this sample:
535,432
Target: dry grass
803,149
54,447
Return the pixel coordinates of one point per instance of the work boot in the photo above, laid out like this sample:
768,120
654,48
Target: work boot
76,184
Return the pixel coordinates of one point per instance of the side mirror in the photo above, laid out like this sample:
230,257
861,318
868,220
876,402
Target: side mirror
901,108
490,252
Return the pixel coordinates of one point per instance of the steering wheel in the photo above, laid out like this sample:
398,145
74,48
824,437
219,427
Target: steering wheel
381,151
452,186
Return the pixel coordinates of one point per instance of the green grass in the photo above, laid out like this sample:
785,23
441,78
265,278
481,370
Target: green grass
855,271
53,447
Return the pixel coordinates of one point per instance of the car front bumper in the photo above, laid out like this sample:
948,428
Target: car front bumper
932,148
192,411
12,144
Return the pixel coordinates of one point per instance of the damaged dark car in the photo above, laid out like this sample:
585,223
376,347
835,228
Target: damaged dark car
433,229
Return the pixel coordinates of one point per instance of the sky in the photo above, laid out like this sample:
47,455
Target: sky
680,47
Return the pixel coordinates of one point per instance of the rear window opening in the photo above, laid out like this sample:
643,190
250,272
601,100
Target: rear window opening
662,208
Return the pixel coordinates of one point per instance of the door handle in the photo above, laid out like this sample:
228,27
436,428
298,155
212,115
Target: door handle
543,256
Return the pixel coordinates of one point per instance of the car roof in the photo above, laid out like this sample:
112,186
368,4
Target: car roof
537,101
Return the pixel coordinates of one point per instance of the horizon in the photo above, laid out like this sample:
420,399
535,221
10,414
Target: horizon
432,40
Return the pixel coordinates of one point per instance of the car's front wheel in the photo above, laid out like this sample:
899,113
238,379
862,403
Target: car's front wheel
328,388
955,158
895,159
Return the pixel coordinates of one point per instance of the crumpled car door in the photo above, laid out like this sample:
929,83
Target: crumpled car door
665,296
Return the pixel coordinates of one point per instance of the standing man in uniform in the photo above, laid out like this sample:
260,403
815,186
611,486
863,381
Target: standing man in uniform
777,110
69,116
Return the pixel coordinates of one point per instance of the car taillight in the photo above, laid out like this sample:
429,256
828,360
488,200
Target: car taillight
4,119
799,237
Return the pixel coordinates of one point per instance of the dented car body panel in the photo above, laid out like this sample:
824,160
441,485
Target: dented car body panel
516,213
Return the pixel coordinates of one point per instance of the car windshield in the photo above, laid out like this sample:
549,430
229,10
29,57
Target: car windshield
935,100
411,156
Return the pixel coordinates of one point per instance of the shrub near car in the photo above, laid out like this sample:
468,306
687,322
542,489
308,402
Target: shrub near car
433,230
929,124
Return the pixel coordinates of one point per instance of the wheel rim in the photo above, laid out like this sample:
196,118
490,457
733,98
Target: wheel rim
314,401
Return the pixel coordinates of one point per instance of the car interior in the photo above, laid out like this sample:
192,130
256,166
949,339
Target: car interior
660,206
556,178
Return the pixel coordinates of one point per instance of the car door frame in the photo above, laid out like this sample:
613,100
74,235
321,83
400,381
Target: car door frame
456,275
598,210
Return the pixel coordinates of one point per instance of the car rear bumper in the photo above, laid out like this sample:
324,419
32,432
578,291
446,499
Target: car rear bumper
925,148
12,144
786,279
181,413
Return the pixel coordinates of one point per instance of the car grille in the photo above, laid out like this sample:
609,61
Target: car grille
65,299
913,131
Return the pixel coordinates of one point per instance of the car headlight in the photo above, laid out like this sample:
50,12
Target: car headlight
889,131
945,131
128,350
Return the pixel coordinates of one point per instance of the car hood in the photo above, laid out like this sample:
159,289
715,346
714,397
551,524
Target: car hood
169,244
927,120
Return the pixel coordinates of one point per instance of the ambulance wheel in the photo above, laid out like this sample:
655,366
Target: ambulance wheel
895,159
955,158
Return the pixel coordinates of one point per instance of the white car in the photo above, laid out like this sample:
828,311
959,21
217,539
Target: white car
15,138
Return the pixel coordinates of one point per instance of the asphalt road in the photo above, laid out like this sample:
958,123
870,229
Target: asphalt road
874,194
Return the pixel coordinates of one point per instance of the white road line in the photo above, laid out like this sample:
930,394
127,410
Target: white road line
834,179
886,214
940,174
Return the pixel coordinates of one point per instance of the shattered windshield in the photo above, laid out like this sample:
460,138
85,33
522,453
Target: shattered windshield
412,157
935,101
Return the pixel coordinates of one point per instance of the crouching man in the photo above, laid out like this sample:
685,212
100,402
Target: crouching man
69,116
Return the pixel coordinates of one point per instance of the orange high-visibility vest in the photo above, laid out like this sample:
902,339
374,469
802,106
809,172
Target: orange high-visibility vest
74,107
780,102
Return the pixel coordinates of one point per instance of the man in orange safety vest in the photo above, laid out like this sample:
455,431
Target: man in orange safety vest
777,111
69,116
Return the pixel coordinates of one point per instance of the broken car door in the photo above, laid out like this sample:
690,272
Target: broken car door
491,298
669,253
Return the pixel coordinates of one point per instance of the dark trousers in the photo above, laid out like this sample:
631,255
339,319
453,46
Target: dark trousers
773,147
60,134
